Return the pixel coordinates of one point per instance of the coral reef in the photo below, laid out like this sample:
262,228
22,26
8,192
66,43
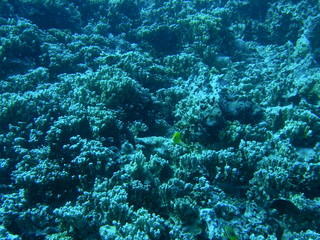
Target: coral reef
148,119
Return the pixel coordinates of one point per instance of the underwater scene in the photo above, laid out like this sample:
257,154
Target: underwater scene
160,120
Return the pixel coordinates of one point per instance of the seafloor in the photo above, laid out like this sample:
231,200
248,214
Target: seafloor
160,120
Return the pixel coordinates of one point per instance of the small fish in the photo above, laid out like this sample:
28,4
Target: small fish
284,206
176,138
229,233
